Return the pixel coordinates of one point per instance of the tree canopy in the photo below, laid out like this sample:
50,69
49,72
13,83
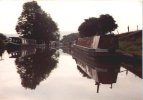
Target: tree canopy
69,38
2,36
97,26
2,39
34,23
107,24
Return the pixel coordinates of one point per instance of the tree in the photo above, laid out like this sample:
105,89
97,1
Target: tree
106,24
2,37
97,26
2,44
69,38
89,27
2,40
34,23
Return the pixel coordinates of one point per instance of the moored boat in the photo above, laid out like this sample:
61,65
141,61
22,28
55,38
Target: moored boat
97,47
18,42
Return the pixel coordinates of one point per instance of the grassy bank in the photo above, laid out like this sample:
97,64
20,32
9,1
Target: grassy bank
131,42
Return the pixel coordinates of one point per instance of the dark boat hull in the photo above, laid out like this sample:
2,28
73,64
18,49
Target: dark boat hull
12,47
91,55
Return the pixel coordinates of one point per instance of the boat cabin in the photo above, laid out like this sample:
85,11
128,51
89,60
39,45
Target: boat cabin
101,42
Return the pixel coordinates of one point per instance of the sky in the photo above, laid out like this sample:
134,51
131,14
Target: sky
69,14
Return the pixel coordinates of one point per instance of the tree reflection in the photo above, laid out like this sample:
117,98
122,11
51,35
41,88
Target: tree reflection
67,50
1,53
36,67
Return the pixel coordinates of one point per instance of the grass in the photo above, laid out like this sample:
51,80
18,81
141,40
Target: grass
132,47
131,42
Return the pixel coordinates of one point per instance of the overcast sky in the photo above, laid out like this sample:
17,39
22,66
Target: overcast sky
69,14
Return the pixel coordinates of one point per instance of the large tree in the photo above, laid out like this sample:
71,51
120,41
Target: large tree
97,26
34,23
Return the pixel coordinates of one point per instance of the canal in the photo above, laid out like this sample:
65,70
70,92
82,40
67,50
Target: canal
54,75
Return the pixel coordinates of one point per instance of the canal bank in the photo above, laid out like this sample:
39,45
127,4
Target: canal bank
130,45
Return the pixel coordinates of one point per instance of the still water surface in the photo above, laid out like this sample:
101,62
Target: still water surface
23,79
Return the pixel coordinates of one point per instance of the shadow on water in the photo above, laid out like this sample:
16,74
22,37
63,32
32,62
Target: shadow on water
34,64
105,70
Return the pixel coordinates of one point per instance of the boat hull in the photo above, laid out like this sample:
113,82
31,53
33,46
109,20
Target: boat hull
88,54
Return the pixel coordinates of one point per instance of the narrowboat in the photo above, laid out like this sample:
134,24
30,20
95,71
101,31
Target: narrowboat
97,47
18,42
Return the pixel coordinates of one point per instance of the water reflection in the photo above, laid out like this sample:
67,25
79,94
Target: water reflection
34,64
101,72
67,50
30,71
135,68
1,53
105,70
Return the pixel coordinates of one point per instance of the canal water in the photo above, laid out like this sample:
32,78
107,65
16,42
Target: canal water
54,75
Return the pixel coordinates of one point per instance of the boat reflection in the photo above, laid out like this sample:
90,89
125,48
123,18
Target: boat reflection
34,65
67,50
22,52
105,71
101,72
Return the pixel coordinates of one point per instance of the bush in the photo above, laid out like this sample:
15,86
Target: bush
97,26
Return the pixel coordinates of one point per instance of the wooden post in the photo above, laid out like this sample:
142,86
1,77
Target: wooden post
98,84
128,29
98,88
126,72
111,86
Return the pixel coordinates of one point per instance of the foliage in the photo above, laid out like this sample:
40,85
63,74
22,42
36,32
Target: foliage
2,39
131,43
35,23
131,47
97,26
69,38
107,24
89,27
